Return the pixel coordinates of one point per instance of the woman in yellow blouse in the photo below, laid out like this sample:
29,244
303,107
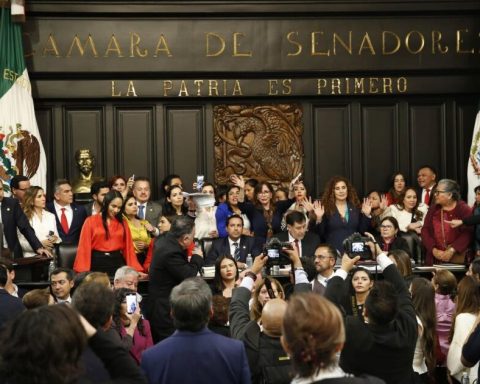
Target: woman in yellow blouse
142,231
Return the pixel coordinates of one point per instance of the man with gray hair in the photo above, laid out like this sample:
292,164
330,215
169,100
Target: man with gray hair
206,357
126,277
170,266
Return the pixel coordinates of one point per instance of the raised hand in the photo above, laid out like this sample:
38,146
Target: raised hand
366,207
318,209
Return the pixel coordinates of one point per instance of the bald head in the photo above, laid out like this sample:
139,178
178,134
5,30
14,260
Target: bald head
272,317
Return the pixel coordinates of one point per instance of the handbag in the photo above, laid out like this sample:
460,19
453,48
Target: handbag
457,257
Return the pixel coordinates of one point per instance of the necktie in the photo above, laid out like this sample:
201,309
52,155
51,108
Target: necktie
64,221
141,211
236,252
297,247
426,199
326,282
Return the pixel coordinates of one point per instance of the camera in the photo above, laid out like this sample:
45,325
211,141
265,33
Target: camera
356,245
273,249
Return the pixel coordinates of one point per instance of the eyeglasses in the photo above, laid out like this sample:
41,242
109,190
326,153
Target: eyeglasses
439,191
322,257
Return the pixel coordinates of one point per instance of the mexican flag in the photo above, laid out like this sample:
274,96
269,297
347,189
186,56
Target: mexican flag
473,170
21,149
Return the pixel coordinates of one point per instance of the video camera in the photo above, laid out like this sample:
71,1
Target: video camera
273,249
356,245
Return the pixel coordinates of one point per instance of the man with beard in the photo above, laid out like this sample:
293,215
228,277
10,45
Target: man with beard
325,257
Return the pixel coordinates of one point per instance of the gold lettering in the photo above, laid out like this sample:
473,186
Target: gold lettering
347,84
287,86
198,84
460,42
162,47
436,45
183,89
387,85
314,51
271,90
402,84
366,44
237,89
135,46
236,46
113,46
167,86
114,94
81,49
290,40
131,89
348,47
336,86
212,87
386,52
407,42
51,47
208,48
359,85
321,83
373,85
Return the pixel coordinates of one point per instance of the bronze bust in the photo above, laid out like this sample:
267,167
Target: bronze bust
86,163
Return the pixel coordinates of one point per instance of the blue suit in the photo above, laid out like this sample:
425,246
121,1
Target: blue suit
10,307
79,216
200,357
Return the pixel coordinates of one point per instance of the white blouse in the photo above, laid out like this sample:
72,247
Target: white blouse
403,217
42,227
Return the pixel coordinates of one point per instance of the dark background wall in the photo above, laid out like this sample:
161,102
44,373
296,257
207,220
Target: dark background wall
365,137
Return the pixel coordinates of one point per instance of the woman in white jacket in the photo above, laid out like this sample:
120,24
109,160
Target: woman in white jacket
468,308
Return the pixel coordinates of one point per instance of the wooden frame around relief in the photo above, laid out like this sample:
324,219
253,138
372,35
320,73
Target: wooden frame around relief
258,141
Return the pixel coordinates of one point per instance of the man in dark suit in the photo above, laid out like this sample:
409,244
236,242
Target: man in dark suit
213,358
69,216
235,244
305,242
18,185
170,266
10,306
427,181
383,345
13,218
148,210
98,191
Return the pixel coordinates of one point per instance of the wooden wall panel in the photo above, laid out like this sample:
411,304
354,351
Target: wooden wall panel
134,142
185,142
46,128
84,128
331,135
380,145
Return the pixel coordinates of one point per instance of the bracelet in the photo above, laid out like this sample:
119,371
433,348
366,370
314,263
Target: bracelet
299,269
252,275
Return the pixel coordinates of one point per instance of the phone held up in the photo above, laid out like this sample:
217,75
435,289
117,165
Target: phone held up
132,303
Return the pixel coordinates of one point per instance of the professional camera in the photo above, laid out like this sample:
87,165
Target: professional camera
273,249
356,245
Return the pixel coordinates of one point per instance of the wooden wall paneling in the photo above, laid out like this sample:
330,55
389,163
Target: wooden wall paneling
44,117
209,145
427,135
403,144
355,170
380,145
134,141
110,151
310,173
331,135
84,128
160,148
185,141
61,160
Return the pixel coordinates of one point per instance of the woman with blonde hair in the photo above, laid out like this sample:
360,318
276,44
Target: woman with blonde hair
261,296
312,335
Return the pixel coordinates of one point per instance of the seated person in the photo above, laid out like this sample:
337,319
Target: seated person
37,298
61,284
235,244
226,274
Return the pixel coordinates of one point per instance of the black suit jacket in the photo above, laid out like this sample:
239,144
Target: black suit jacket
222,247
169,268
309,243
10,307
79,216
13,218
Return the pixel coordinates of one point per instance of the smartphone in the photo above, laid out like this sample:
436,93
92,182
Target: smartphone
132,303
50,235
132,177
200,182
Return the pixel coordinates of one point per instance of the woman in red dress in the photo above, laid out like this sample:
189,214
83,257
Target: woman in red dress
105,241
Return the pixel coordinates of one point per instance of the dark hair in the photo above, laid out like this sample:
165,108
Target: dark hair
393,193
416,212
7,263
446,281
220,191
332,251
141,178
393,220
434,171
468,296
293,217
109,197
166,182
43,346
252,182
313,330
36,298
328,198
58,183
423,299
3,275
191,302
229,188
283,190
15,181
258,189
168,208
95,189
234,216
120,297
208,184
181,226
217,280
220,306
128,197
475,264
95,302
69,272
113,179
382,303
402,259
309,267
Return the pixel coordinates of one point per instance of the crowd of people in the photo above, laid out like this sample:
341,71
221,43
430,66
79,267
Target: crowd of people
332,321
